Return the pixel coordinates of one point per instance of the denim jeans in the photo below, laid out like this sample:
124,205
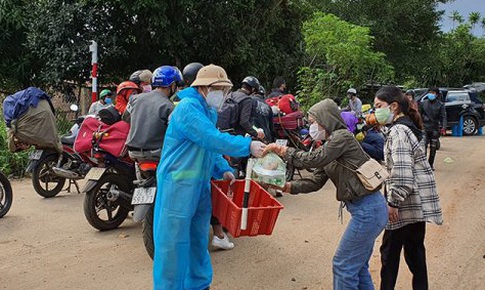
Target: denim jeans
351,261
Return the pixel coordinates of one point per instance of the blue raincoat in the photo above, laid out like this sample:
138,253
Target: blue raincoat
191,156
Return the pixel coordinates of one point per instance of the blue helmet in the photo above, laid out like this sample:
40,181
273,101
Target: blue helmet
166,75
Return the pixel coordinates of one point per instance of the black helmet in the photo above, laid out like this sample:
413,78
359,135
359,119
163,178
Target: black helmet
252,82
190,72
135,77
139,76
262,91
411,93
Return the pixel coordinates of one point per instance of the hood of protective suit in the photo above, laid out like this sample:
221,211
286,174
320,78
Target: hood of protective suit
327,114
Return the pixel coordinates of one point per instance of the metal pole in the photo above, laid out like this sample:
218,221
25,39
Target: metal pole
247,190
93,48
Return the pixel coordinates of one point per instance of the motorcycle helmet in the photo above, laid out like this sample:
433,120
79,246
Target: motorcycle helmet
371,120
127,85
251,82
166,75
190,72
262,91
105,93
141,76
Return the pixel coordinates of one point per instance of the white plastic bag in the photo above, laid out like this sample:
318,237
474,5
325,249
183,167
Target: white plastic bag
270,169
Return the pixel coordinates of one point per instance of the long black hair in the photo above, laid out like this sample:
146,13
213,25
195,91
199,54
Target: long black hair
393,94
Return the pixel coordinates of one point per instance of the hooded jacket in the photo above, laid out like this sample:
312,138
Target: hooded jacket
331,160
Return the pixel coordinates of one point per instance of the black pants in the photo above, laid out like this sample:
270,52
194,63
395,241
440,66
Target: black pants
431,138
411,238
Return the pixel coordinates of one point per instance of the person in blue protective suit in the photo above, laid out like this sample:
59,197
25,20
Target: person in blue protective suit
191,156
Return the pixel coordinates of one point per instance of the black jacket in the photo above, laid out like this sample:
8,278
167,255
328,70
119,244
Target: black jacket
244,124
262,117
433,114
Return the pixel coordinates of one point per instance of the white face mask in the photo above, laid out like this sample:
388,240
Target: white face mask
316,133
215,99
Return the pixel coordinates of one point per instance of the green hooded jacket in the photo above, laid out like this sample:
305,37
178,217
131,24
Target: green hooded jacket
341,147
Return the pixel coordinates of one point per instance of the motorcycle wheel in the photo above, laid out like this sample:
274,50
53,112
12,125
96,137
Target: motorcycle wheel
147,232
5,195
43,175
101,212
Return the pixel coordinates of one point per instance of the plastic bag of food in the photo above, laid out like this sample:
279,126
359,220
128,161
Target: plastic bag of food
270,169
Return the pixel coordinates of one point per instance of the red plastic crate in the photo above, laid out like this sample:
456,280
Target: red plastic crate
263,208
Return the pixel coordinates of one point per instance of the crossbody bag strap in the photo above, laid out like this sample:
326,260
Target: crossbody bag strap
362,149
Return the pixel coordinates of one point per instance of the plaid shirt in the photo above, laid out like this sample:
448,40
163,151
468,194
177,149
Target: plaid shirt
411,185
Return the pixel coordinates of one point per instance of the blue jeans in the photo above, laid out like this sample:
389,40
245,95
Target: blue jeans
351,261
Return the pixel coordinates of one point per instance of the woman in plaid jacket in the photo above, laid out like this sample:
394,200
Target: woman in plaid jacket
410,190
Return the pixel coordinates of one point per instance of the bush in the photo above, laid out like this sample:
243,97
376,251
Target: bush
11,163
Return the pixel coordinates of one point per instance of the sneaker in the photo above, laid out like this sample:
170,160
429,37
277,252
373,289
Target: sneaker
224,243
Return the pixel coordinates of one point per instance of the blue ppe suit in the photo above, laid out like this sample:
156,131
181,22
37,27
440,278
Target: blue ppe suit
191,156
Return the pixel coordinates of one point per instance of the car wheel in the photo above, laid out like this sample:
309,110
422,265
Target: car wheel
470,126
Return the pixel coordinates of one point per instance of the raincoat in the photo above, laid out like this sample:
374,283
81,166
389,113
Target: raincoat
191,156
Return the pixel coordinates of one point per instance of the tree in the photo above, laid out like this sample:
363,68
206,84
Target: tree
458,59
482,24
403,30
342,56
455,16
15,64
261,38
474,18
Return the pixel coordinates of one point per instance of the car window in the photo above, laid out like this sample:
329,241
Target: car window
475,98
457,97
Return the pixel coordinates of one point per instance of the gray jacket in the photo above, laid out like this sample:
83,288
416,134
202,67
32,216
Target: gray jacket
340,148
148,115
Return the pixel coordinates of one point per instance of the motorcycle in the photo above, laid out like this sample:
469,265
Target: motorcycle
5,195
143,200
50,169
109,187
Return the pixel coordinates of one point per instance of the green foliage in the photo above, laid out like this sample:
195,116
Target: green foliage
11,163
45,43
458,59
260,38
342,56
15,64
402,29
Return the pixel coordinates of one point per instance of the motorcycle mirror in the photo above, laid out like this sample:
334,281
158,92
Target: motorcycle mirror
74,108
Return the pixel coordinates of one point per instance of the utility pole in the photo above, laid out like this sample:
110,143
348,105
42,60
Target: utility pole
93,48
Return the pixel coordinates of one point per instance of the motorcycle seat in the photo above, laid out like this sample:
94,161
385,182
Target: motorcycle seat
68,139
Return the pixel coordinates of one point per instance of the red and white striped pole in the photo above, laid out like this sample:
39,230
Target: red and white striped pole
93,48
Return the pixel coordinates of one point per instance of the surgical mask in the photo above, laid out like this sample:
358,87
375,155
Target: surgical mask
147,88
215,99
431,97
384,115
108,101
316,133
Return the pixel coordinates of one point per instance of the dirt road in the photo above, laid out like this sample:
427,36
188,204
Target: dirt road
47,243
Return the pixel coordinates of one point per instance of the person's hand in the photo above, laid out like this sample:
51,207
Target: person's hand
228,175
257,148
278,149
260,134
286,188
443,132
393,214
